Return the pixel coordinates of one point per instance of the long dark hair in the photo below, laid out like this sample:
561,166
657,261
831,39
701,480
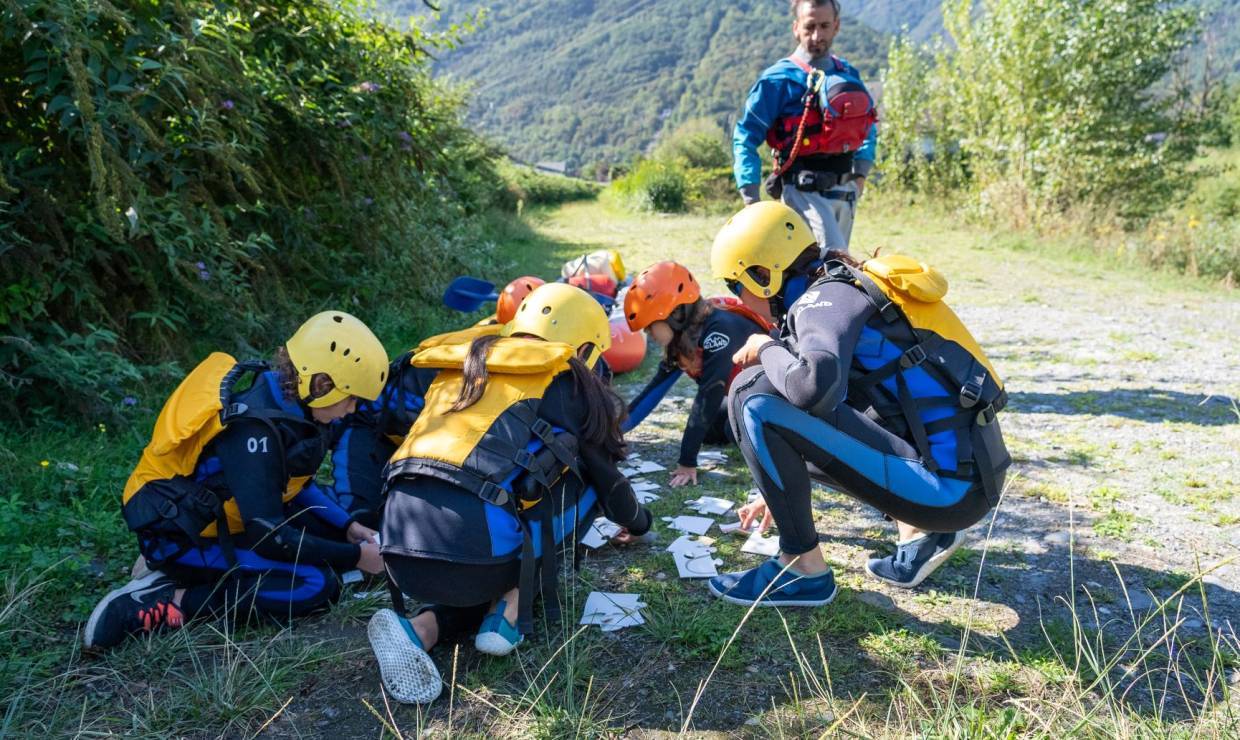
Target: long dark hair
604,409
684,345
286,376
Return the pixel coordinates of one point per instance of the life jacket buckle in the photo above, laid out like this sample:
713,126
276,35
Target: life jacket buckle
541,428
525,459
912,357
232,411
493,494
986,415
970,394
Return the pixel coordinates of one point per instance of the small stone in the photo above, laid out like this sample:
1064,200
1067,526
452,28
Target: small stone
1103,610
660,576
754,721
331,712
1213,580
1193,624
1057,538
876,600
1140,600
1093,586
751,669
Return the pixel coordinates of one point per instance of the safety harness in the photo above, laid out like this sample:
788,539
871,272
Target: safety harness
836,119
912,317
498,449
163,501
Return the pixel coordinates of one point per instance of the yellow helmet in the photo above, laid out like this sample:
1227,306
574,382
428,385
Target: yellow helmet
559,312
767,234
346,350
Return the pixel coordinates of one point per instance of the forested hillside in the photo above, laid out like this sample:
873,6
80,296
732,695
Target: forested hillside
585,81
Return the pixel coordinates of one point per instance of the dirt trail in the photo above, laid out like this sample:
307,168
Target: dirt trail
1127,449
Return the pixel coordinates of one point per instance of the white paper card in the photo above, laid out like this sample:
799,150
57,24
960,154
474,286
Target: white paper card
690,524
689,542
759,545
645,497
710,505
351,576
645,485
601,530
613,611
645,466
696,563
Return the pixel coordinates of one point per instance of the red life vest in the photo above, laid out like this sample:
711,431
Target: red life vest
839,129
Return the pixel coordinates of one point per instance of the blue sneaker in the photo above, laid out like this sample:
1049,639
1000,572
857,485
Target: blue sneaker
788,589
915,560
497,636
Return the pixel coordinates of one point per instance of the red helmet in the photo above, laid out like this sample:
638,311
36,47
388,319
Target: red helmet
657,291
512,295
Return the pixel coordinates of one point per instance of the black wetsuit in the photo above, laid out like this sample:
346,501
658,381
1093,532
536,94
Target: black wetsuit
793,420
286,556
723,333
363,441
445,546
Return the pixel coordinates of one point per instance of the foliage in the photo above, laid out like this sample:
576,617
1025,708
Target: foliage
1034,117
653,185
525,185
182,175
584,81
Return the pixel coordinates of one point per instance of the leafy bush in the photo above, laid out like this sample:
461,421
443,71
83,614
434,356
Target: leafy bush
1037,106
181,175
653,185
525,185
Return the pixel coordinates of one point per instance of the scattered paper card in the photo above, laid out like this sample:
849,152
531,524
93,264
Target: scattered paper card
645,466
759,545
351,576
690,524
729,527
712,505
712,456
690,542
699,563
613,611
602,530
629,472
641,484
645,497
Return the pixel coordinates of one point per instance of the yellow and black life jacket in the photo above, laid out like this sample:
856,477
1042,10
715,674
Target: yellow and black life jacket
162,499
498,449
920,371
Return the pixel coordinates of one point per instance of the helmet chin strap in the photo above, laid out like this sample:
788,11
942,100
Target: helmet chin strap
793,288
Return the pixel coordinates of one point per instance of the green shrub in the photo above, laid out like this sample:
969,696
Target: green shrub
177,176
653,185
525,185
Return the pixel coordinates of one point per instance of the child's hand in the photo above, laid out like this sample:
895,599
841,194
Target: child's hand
754,511
683,476
357,534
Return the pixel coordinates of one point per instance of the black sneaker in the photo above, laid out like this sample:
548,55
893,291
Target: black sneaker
142,605
915,560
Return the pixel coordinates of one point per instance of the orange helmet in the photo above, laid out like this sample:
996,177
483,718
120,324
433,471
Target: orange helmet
512,295
657,291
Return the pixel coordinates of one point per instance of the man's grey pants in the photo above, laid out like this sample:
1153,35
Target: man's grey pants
831,219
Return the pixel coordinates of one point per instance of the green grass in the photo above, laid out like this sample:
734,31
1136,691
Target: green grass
875,664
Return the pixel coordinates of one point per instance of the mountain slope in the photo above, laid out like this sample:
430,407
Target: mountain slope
583,81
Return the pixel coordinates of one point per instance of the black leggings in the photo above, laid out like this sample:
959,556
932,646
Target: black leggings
785,446
459,594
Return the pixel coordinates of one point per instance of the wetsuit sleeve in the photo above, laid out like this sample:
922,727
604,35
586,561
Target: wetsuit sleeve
826,324
255,475
314,498
615,493
646,401
712,387
762,106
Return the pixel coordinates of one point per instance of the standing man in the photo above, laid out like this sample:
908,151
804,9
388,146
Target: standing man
821,124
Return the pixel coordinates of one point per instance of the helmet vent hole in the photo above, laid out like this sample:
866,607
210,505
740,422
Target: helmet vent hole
333,346
357,360
632,317
546,310
680,288
382,376
338,319
346,351
788,225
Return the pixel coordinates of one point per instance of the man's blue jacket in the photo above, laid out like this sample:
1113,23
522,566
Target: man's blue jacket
779,93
